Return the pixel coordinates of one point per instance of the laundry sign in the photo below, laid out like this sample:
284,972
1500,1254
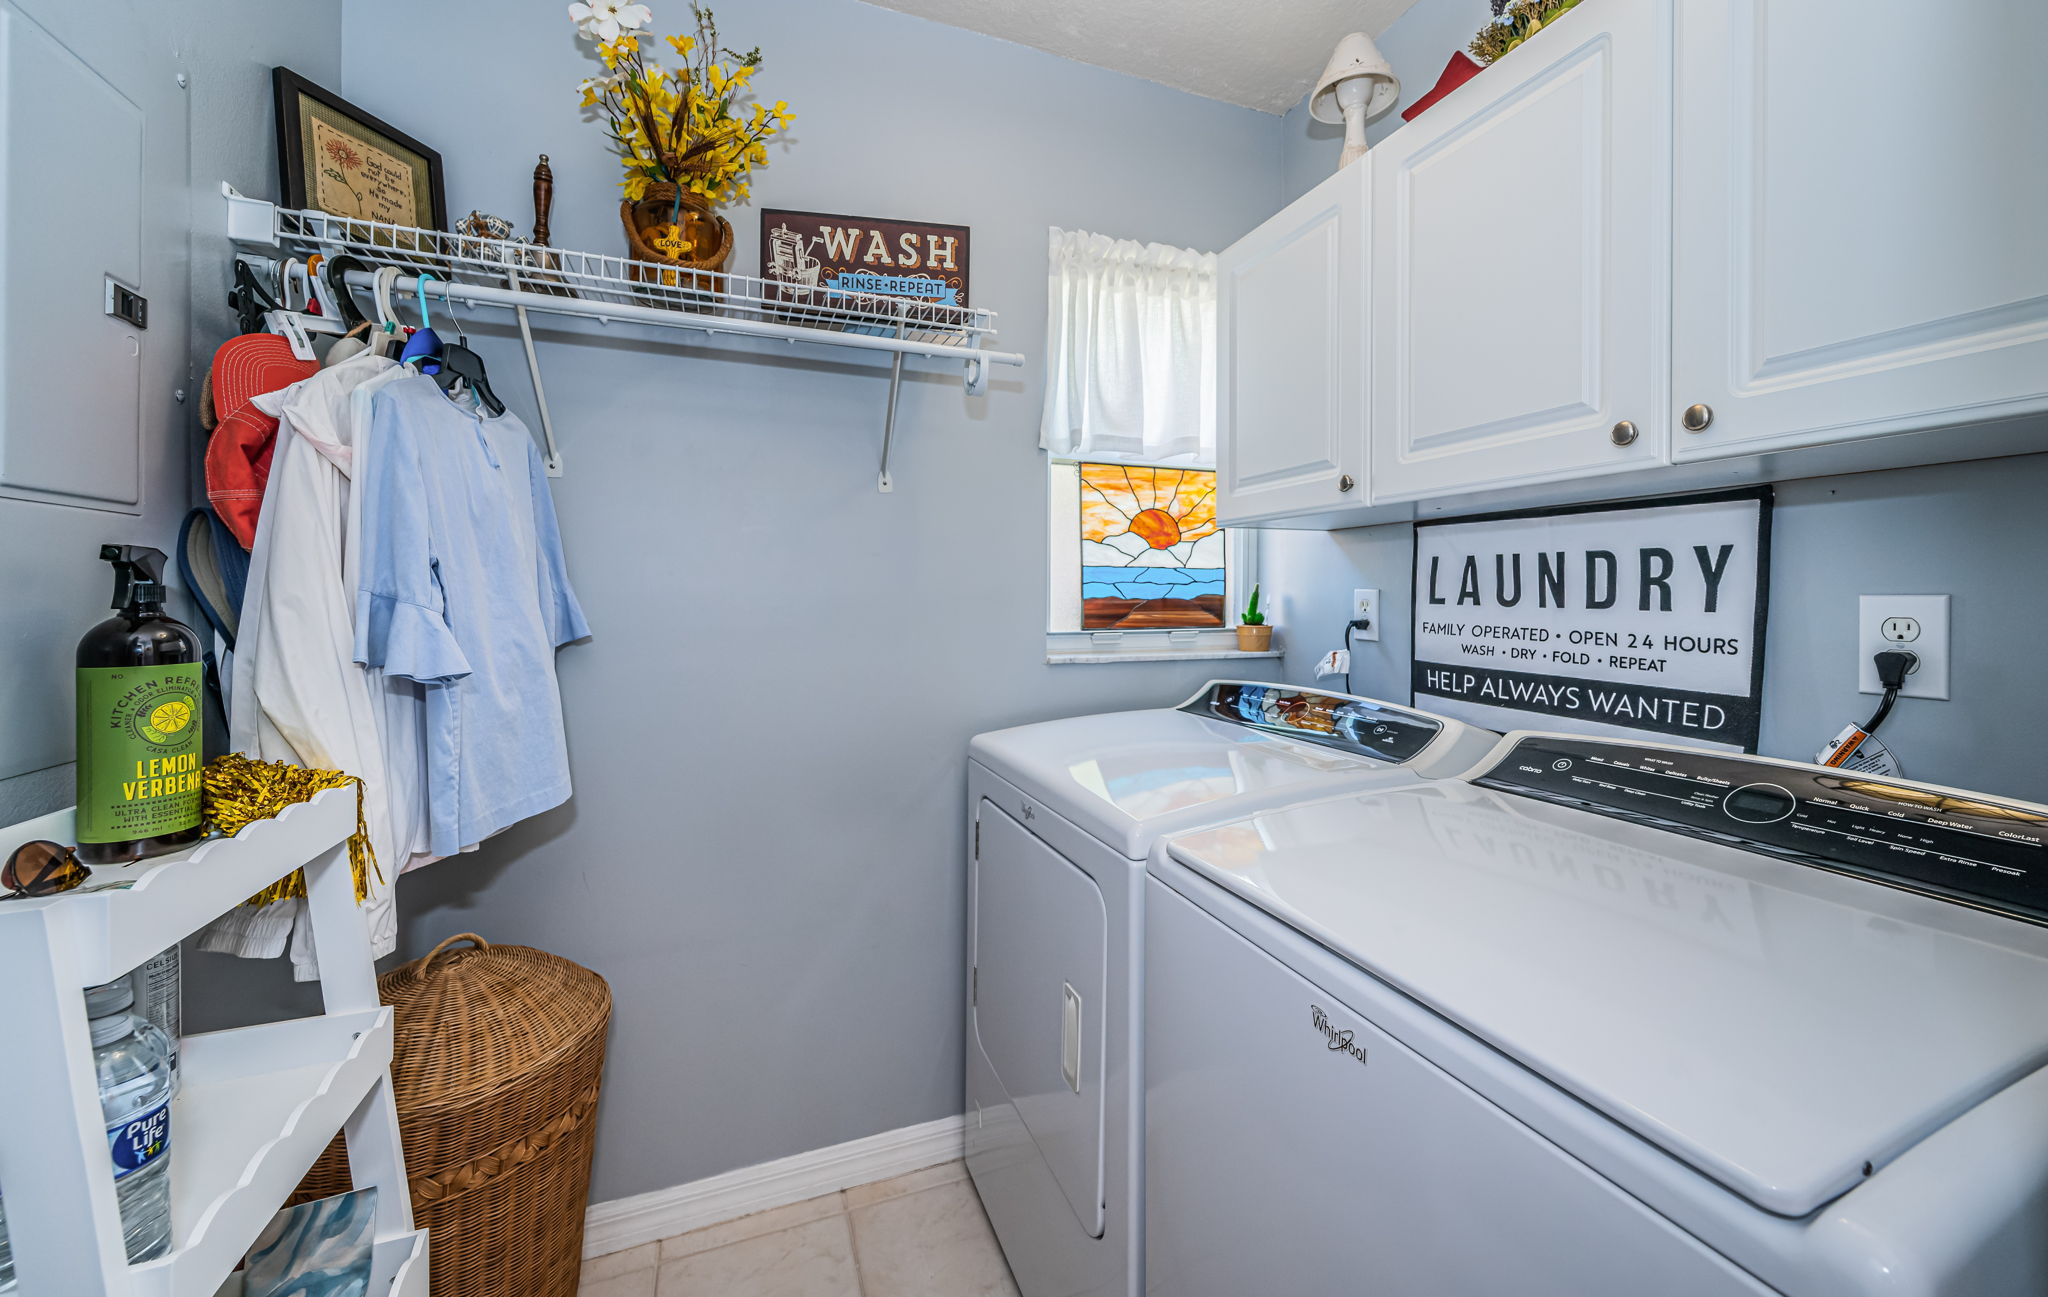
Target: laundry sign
1627,620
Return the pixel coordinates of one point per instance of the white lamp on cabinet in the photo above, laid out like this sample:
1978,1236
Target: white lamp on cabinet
1358,86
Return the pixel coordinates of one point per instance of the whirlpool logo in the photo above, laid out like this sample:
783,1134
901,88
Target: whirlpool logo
1340,1041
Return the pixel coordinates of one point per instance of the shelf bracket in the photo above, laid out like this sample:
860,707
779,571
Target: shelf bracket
884,485
540,395
977,367
889,424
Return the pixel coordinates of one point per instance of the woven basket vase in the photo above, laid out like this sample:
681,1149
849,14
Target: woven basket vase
498,1055
663,205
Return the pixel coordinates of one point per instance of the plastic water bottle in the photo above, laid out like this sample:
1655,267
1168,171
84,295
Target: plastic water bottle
130,1059
135,1099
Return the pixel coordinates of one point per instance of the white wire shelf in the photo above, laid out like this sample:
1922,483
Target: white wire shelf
526,277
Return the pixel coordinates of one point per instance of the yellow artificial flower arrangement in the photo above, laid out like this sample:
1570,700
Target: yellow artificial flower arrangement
697,125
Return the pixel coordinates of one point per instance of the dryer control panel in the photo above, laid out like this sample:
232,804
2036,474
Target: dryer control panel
1974,850
1333,720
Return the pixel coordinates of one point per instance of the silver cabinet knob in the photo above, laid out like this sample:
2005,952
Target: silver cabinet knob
1697,417
1345,483
1623,433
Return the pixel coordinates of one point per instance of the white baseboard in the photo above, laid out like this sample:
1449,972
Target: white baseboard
664,1213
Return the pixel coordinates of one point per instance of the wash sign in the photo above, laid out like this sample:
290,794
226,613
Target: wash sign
1628,621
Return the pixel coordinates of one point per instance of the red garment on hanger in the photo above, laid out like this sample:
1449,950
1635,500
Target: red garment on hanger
238,453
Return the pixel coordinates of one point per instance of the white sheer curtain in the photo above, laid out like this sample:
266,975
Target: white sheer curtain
1130,351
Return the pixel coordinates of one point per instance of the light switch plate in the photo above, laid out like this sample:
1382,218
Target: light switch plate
1917,623
1365,604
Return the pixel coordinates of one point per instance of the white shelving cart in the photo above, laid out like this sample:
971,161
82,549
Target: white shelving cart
256,1106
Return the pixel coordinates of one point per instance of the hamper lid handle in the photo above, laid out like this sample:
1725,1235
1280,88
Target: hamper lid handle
470,937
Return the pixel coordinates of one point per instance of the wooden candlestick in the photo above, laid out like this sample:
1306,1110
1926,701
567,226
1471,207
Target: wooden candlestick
543,199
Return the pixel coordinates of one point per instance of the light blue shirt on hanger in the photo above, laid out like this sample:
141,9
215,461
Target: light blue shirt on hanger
462,586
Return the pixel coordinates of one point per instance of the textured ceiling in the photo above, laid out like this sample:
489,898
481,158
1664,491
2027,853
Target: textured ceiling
1263,54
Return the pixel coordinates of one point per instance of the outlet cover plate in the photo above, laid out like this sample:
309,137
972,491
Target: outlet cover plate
1366,604
1930,611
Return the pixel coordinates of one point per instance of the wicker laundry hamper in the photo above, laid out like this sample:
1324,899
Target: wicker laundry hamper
498,1055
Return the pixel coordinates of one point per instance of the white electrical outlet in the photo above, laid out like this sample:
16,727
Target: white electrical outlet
1365,606
1917,623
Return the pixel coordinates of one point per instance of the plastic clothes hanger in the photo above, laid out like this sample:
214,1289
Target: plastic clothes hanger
425,345
389,336
294,285
320,294
331,272
461,365
334,289
251,300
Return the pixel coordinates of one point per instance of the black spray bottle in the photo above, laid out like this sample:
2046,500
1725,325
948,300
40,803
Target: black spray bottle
140,686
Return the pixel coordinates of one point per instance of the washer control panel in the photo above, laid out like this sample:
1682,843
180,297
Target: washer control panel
1970,849
1333,720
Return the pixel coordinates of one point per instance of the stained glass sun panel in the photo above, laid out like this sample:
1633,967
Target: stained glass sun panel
1151,553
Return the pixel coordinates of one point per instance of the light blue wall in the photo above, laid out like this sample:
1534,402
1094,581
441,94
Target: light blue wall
765,853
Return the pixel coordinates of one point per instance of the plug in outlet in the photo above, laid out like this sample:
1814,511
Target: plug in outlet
1365,607
1917,623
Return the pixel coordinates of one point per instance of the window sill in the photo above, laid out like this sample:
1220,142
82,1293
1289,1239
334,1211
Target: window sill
1154,655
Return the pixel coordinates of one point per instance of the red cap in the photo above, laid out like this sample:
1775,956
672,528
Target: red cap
238,454
1456,73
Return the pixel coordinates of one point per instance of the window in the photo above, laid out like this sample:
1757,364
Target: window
1136,552
1138,565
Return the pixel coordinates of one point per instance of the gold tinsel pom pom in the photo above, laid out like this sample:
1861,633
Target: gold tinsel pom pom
238,792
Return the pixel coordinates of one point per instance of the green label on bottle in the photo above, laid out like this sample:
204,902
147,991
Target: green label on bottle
138,751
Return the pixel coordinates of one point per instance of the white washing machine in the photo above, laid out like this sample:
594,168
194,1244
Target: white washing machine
1606,1019
1061,817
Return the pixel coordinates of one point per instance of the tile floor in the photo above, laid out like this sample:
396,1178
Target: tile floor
919,1235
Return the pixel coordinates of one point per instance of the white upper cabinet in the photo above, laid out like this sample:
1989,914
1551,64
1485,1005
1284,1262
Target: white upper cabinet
1291,371
1521,315
1859,231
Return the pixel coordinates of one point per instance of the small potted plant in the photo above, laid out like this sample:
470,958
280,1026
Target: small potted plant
1253,634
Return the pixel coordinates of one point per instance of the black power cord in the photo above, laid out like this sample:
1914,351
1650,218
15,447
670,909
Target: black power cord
1352,627
1893,665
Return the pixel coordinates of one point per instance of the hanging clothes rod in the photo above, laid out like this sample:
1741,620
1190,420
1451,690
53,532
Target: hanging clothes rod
668,317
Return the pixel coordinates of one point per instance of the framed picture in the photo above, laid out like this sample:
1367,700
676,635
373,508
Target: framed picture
335,158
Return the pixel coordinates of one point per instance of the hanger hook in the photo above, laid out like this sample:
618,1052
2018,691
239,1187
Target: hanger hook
455,318
380,293
419,284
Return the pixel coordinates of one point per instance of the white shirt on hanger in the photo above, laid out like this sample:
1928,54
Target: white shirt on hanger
298,694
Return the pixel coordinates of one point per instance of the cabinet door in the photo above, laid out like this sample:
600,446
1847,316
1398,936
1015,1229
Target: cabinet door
1290,369
1521,266
1858,219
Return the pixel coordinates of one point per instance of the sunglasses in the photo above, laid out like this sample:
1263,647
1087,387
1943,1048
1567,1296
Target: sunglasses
41,868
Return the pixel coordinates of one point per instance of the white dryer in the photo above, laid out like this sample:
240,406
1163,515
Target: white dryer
1061,816
1603,1020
